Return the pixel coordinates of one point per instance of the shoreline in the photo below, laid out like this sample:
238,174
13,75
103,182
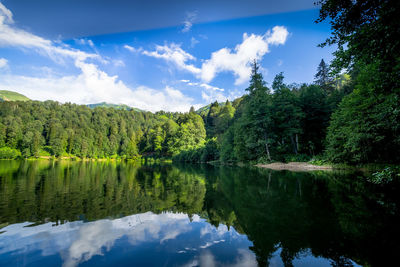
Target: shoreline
295,166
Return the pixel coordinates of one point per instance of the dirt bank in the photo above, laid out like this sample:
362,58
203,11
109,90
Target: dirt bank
294,166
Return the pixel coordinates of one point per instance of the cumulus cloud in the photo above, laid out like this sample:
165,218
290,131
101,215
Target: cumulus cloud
173,53
3,63
237,60
91,85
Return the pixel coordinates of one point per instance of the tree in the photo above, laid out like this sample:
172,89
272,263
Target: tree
364,128
224,118
132,150
253,128
365,32
286,115
314,105
210,119
322,77
256,81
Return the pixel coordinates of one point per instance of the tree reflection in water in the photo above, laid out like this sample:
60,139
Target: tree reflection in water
334,215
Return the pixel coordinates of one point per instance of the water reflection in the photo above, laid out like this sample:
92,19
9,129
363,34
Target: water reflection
99,213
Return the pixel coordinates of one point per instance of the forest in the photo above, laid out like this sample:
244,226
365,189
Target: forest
349,114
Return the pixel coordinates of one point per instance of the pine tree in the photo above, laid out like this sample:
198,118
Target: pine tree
322,78
256,81
252,130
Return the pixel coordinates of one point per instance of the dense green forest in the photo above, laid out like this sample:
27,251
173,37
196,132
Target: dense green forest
52,129
349,114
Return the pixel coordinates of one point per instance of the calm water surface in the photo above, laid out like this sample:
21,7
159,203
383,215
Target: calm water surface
122,214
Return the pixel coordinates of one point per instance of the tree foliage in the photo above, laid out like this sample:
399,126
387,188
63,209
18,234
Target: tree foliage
48,128
365,126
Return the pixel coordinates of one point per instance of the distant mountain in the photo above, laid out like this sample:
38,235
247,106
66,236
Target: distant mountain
115,106
12,96
204,110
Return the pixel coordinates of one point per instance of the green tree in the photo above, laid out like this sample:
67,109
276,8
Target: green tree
322,77
314,105
365,32
286,114
253,129
364,128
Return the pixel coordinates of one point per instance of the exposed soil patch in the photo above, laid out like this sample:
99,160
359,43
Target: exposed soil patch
294,166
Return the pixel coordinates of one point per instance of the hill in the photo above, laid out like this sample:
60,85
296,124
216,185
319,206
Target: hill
12,96
203,111
115,106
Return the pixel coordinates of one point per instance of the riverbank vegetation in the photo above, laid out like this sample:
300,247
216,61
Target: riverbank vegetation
349,114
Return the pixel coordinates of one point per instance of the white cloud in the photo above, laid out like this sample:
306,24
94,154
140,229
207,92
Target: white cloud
5,15
212,93
278,36
3,62
245,258
203,85
91,85
188,22
85,42
193,42
78,242
237,60
133,49
118,63
173,53
13,37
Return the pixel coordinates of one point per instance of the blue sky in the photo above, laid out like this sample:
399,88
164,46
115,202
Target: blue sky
203,55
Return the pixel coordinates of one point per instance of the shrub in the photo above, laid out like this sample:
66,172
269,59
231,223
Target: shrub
9,153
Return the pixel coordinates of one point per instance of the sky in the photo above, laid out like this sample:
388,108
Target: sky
155,55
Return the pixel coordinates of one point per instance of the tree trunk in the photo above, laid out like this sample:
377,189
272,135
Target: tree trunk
293,144
297,142
267,148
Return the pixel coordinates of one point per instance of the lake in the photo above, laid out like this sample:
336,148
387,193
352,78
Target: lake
65,213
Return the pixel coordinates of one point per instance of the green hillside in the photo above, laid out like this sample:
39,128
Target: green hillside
115,106
12,96
203,111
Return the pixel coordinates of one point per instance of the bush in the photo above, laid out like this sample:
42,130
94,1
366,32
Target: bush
9,153
385,176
